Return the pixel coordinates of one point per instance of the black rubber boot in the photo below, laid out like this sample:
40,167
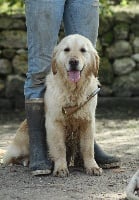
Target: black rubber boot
104,160
39,161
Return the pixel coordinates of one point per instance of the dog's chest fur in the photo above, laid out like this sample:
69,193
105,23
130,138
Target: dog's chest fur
58,96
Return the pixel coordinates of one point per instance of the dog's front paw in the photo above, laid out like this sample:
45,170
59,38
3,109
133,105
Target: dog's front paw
60,168
61,172
94,171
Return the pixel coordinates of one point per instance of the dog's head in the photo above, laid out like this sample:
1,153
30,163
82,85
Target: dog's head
74,57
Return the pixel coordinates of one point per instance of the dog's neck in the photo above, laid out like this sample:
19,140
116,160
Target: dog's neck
77,93
74,93
69,110
81,86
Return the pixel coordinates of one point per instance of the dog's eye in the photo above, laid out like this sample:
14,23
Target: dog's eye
67,49
83,50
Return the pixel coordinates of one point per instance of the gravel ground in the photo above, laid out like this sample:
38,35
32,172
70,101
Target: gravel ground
117,131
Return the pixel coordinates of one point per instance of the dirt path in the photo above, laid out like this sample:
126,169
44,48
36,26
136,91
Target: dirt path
117,133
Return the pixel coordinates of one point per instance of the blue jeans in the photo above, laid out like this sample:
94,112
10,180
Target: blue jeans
43,20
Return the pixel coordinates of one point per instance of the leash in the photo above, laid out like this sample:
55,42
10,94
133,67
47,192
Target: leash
69,110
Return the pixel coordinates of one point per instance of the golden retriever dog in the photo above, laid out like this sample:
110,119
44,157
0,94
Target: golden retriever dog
70,104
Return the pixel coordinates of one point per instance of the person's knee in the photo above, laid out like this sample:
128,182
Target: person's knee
38,79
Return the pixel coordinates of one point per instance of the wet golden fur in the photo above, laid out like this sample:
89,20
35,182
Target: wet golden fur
62,92
78,128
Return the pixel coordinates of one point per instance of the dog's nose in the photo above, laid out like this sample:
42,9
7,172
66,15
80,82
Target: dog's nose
73,63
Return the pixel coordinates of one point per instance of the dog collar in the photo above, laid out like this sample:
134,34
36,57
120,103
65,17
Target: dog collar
69,110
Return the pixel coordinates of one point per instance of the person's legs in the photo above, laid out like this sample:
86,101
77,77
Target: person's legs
43,19
82,17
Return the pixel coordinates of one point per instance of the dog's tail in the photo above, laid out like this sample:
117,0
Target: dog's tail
12,154
18,150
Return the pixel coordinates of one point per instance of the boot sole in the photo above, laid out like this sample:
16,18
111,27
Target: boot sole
110,165
41,172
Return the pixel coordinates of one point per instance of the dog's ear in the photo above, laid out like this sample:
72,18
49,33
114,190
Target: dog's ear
95,64
54,65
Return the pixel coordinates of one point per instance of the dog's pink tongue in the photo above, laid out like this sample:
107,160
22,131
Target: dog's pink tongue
74,76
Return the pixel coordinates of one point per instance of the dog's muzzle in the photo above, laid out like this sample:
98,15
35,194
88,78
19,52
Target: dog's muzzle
73,64
74,71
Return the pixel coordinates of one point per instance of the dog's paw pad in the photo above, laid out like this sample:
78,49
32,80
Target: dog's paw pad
61,173
94,171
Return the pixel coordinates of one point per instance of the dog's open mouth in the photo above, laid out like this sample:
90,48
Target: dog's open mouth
74,76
